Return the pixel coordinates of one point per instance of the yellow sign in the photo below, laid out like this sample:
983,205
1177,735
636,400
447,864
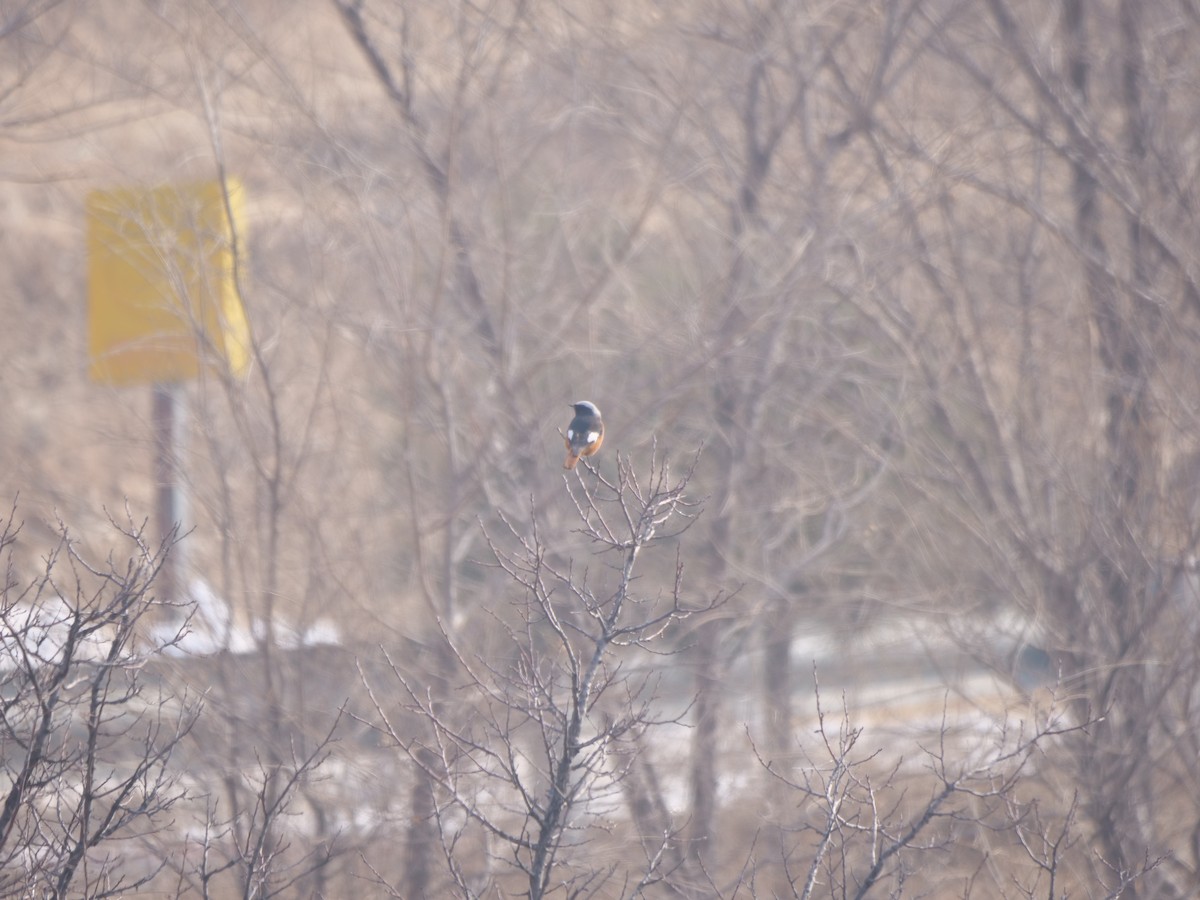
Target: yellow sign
162,301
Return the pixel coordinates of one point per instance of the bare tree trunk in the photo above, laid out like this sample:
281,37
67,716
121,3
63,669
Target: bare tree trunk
1104,808
706,654
705,743
421,843
777,635
1130,455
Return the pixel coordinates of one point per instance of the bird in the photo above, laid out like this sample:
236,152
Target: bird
585,434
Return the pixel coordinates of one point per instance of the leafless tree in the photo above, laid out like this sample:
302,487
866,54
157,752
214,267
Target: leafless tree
86,742
528,756
246,840
956,810
779,353
1055,380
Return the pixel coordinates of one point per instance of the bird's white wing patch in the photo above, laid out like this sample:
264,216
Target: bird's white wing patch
593,436
570,435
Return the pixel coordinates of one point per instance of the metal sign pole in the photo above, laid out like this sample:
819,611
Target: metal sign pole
170,421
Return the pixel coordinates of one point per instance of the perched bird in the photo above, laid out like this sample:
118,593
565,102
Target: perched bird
585,434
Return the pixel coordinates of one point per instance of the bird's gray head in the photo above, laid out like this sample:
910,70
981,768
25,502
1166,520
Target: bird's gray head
585,408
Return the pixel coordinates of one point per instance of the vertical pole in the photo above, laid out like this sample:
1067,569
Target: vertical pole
170,419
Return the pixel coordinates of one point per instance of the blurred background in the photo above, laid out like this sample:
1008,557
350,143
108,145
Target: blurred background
917,279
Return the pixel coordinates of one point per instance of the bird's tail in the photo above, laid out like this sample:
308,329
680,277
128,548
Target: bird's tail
572,458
